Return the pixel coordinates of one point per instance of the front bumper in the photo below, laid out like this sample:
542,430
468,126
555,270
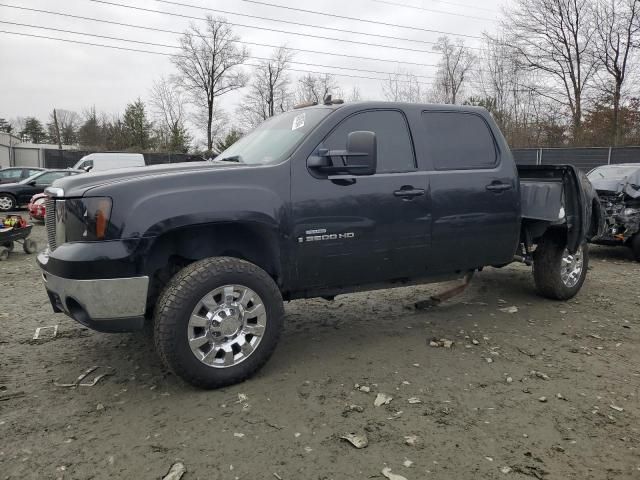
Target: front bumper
105,305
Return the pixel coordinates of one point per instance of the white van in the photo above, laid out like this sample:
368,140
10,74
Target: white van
98,162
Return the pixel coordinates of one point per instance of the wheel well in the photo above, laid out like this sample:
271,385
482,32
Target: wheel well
178,248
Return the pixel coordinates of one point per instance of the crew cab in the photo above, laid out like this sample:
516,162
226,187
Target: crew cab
316,202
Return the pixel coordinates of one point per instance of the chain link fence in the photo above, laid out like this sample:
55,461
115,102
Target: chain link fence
583,158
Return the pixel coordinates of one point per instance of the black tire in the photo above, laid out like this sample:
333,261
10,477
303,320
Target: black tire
29,246
547,269
9,202
177,302
635,246
9,246
4,253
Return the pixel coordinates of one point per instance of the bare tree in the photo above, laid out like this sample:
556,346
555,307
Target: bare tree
208,65
168,105
268,92
354,95
555,37
403,86
63,127
618,27
454,67
314,88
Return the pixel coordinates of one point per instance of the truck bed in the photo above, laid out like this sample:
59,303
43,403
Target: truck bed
559,195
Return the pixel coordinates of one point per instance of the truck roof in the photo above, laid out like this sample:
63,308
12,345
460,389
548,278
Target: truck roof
398,105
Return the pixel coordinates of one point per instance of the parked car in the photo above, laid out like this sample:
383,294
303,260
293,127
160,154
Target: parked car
618,187
37,206
13,195
315,202
15,174
97,162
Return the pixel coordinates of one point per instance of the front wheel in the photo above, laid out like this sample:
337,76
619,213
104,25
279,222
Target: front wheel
559,274
7,202
218,321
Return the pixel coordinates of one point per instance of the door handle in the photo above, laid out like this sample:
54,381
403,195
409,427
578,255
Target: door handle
408,192
498,187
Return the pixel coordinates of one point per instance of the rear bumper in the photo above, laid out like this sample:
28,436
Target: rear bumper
106,305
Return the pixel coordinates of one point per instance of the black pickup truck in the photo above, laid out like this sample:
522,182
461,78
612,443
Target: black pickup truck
315,202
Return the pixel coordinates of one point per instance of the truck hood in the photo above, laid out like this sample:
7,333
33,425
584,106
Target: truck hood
78,185
617,185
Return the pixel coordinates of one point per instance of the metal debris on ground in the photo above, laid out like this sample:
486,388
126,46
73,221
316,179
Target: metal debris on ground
407,463
414,400
505,470
386,471
79,381
355,439
382,399
411,440
176,471
616,408
512,309
443,342
542,399
538,374
36,335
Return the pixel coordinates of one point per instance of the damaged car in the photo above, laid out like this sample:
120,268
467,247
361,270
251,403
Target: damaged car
618,187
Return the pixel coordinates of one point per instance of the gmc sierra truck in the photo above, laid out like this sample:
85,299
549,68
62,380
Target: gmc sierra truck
319,201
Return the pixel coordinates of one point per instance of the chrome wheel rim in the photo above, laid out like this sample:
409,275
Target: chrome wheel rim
5,203
571,267
226,326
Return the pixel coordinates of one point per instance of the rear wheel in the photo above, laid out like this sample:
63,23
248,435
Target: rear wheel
559,274
218,321
9,246
4,253
635,246
7,202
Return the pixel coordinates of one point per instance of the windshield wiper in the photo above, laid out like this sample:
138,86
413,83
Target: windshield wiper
232,158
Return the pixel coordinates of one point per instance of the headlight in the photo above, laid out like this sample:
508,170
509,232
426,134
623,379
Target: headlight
87,219
630,211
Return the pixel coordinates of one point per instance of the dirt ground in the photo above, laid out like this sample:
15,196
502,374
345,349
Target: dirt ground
549,392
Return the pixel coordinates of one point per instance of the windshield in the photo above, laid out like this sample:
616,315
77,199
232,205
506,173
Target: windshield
31,178
273,140
612,172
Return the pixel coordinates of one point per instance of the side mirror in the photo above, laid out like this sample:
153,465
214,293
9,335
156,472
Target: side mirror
87,168
360,157
362,152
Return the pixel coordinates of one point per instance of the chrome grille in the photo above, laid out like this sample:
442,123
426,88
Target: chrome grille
50,222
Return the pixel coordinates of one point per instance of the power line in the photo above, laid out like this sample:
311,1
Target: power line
306,35
175,32
437,11
167,54
141,42
355,19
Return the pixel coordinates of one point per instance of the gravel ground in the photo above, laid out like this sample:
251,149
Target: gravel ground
548,392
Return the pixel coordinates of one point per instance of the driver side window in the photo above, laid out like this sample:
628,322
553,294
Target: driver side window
395,148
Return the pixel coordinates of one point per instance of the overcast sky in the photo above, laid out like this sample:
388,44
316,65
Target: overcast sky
37,75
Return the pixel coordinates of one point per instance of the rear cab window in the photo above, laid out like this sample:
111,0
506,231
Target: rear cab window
395,147
458,141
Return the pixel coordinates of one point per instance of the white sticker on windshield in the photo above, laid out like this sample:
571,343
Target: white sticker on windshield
298,122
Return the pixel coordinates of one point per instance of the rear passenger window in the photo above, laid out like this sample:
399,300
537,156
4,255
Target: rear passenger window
395,150
458,141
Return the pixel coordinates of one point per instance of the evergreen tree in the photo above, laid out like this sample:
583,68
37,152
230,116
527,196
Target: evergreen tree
33,131
5,126
137,126
232,137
